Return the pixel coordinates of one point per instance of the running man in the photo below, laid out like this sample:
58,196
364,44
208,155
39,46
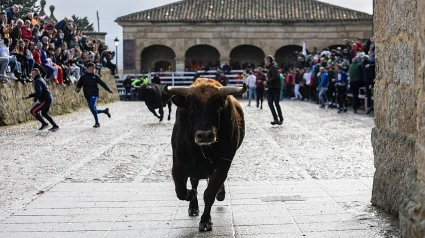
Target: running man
89,83
44,98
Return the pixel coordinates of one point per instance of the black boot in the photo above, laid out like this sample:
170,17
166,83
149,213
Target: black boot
275,122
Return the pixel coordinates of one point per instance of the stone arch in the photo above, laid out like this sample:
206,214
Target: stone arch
243,55
155,56
287,55
204,55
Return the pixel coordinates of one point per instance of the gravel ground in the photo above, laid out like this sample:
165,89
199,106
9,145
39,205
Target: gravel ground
133,147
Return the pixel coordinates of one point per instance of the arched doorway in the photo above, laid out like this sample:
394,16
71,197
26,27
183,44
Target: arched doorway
199,56
156,57
242,56
287,56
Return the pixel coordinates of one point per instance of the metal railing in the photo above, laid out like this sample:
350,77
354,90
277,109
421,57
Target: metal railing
186,78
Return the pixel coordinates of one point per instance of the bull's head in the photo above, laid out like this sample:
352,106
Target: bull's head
204,103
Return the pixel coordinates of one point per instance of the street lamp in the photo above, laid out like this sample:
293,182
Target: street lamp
116,43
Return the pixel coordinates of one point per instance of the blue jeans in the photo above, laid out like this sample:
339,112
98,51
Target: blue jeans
252,90
322,94
50,71
31,63
13,64
92,105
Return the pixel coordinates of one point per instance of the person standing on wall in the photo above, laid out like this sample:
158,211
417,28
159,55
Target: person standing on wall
44,97
89,82
273,95
261,78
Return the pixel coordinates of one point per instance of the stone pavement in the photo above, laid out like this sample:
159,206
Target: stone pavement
311,177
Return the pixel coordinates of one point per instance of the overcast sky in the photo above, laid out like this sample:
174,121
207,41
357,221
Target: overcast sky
109,10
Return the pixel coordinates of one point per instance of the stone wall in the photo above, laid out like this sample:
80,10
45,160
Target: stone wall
227,36
399,136
14,110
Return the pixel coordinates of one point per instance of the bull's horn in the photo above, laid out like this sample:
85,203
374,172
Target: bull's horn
226,91
176,90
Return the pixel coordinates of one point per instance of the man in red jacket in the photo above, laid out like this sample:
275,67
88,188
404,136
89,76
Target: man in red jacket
358,47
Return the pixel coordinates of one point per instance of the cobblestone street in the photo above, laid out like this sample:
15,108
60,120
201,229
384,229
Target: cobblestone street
311,177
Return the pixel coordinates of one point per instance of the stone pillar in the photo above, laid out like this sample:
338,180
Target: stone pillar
399,136
180,64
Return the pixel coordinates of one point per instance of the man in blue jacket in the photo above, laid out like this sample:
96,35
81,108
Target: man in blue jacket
44,98
10,12
323,86
341,85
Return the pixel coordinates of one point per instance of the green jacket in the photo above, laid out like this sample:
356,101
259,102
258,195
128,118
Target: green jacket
356,72
140,81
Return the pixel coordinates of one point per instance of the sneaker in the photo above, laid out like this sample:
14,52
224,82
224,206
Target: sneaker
4,80
340,110
54,128
107,112
12,76
44,126
322,107
97,125
345,110
249,105
281,121
355,111
261,107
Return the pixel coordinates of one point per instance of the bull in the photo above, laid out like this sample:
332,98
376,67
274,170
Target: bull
155,99
209,129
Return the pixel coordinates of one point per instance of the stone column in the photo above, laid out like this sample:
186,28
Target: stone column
399,136
180,64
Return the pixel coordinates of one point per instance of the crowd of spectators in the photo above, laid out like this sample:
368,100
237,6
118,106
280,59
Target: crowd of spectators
326,77
330,75
58,49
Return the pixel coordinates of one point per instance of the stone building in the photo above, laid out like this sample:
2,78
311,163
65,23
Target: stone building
245,31
399,136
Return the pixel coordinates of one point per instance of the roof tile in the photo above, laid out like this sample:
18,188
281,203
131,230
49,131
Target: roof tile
281,11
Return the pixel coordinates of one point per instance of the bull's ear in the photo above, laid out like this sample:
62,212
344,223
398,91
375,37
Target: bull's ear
179,101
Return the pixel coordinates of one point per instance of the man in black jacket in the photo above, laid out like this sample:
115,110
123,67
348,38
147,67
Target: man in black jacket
89,83
274,86
44,98
127,85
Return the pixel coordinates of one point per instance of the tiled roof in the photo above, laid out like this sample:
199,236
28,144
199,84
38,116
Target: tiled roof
281,11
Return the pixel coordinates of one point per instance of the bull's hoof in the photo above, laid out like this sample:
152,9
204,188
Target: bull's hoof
193,212
205,226
220,197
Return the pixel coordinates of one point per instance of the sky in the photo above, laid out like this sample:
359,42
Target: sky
109,10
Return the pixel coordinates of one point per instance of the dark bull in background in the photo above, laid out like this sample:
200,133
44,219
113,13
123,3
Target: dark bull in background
155,99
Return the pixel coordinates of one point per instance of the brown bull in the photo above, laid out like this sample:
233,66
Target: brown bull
208,131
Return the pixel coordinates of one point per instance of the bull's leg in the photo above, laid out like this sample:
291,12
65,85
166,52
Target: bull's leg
221,195
153,112
169,110
161,113
216,182
193,205
180,183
